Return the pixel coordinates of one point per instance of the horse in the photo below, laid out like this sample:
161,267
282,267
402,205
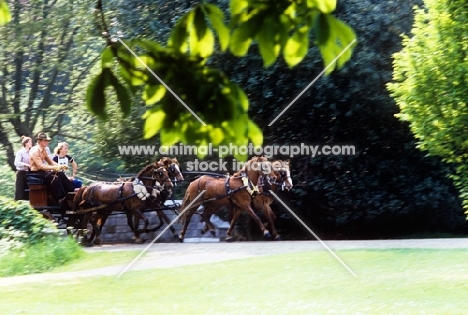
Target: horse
236,191
130,197
261,202
173,168
175,175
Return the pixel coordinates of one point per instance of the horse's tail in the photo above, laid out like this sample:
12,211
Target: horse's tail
185,202
191,192
78,197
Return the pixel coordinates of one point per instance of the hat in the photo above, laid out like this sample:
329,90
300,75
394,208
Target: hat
42,136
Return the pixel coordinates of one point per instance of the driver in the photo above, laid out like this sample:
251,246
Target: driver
42,166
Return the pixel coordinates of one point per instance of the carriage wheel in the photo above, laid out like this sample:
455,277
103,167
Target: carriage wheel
74,228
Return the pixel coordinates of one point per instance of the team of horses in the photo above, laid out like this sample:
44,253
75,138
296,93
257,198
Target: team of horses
246,190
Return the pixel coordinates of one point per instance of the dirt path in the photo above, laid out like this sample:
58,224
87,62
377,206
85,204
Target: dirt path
167,255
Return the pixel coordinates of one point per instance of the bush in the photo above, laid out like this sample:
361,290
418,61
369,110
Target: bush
29,243
7,180
19,216
39,257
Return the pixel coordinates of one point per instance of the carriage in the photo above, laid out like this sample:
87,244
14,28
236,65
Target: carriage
75,218
148,191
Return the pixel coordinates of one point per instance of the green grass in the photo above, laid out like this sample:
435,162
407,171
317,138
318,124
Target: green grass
41,257
98,260
388,282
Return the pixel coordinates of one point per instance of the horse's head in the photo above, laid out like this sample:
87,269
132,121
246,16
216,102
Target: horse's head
257,164
154,173
173,168
283,174
161,175
257,167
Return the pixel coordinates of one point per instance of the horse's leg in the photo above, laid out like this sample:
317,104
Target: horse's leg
270,219
129,216
187,217
206,215
161,220
266,233
94,217
166,219
136,232
102,220
84,228
186,214
236,212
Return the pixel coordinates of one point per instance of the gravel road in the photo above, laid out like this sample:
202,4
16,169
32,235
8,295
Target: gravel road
199,251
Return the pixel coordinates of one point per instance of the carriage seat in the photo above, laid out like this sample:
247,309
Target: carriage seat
38,191
33,180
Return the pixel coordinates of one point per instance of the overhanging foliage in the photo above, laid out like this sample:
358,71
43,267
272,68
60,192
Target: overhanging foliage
221,105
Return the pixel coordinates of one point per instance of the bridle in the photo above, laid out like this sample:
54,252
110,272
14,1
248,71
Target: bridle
277,180
163,177
173,171
159,175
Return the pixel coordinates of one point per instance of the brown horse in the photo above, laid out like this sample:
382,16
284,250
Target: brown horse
235,191
173,168
261,202
160,195
128,197
175,175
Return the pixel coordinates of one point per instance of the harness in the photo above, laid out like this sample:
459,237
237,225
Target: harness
247,185
139,189
95,204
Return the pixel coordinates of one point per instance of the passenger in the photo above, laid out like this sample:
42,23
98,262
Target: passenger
49,171
22,168
62,158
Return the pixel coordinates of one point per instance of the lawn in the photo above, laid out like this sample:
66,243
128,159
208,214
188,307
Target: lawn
404,281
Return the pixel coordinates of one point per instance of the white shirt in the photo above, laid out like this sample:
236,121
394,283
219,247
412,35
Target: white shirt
22,159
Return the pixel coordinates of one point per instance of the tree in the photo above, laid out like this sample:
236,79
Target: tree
45,59
219,104
431,88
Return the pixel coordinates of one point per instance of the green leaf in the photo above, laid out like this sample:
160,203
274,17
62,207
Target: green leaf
95,94
169,136
255,133
153,94
340,36
179,35
201,39
206,45
153,122
199,23
297,46
123,95
216,18
237,6
107,57
266,38
325,6
321,29
240,41
345,35
241,97
5,15
128,67
216,135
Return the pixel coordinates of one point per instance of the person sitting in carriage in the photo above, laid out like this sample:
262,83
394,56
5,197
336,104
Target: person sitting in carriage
62,158
42,166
